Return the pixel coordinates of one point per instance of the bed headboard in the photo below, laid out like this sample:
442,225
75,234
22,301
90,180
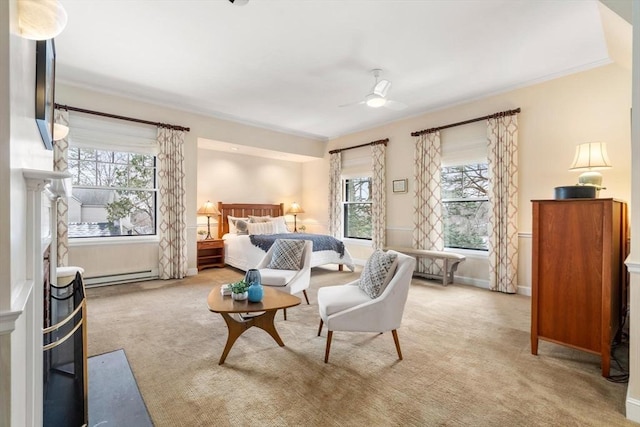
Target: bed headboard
244,210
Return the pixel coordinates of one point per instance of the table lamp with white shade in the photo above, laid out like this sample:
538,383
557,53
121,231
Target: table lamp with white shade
295,209
590,158
208,209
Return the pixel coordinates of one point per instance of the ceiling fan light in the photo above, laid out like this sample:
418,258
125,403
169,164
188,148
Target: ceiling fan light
375,101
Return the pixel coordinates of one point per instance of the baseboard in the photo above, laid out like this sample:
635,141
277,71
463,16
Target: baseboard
114,279
484,284
633,408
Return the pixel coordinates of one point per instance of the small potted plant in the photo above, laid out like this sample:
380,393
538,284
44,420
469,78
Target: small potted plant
239,290
302,228
202,234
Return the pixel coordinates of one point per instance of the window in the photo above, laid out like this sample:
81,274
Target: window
465,206
114,193
357,208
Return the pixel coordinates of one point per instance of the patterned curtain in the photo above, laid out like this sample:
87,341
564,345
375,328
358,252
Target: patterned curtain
428,225
61,164
335,195
502,133
378,190
172,206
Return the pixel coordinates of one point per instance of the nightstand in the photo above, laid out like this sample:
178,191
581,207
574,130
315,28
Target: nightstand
210,253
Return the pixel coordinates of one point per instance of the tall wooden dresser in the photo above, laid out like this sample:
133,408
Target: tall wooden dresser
578,276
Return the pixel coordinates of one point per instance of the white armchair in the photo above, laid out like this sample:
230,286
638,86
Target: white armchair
290,281
349,308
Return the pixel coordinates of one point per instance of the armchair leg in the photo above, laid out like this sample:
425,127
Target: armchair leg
304,291
320,328
395,339
285,314
326,352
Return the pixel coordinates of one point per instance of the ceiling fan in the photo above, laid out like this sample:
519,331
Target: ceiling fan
378,96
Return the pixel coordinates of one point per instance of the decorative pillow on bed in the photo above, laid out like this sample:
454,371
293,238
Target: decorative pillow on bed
287,254
242,226
261,228
259,218
377,272
280,225
232,223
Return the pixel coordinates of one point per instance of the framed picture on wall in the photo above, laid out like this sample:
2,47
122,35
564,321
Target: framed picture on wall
400,185
45,85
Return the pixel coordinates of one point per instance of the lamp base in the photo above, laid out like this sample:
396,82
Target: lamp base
590,178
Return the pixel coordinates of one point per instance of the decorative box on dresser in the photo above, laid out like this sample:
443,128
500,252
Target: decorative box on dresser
210,253
578,277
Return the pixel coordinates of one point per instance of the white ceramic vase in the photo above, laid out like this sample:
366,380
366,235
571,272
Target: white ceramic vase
240,297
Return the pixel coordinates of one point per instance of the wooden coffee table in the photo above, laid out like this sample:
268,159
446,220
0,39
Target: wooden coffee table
232,310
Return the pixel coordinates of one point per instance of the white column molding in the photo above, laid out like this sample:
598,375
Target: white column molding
633,261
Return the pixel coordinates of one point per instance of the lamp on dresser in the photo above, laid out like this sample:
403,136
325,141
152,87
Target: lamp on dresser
591,157
295,209
208,210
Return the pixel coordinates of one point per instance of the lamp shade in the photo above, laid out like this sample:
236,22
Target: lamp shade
591,156
208,209
41,19
295,208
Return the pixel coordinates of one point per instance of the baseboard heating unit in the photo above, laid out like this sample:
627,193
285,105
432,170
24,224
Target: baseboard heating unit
114,279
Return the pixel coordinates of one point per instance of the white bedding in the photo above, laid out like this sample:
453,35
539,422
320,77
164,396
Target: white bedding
240,253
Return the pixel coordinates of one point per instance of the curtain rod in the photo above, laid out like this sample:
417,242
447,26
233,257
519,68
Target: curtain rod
380,141
114,116
466,122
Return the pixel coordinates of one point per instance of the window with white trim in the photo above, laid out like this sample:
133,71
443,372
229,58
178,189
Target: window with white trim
113,168
465,206
464,184
357,202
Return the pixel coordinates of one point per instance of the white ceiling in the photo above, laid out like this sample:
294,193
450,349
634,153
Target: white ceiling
288,64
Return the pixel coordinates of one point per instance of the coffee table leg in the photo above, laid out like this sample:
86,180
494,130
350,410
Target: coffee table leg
235,330
266,323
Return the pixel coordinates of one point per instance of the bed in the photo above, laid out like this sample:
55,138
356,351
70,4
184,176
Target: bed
244,251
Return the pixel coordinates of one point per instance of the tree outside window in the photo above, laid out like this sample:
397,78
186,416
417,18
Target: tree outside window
113,193
465,206
357,208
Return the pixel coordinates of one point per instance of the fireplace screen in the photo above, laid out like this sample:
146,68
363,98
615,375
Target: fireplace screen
65,357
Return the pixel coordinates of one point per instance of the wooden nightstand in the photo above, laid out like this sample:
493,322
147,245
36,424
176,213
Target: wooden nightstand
210,253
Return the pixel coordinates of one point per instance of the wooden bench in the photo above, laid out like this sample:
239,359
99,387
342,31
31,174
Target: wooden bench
450,262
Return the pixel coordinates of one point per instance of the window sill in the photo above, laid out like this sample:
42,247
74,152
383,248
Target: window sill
98,241
357,242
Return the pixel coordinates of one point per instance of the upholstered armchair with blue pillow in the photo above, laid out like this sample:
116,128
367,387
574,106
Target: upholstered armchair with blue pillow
373,303
287,266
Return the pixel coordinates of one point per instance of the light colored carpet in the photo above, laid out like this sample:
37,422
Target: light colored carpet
467,362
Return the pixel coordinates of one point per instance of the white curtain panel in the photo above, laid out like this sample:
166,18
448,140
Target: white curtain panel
378,190
61,164
502,133
335,195
172,206
428,232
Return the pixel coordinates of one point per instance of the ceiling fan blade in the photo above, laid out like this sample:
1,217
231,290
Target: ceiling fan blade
382,87
395,105
351,103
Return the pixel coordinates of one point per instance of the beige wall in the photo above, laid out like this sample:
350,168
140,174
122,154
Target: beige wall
144,256
556,115
236,178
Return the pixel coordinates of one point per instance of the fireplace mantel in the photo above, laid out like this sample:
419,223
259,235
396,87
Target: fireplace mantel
52,185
